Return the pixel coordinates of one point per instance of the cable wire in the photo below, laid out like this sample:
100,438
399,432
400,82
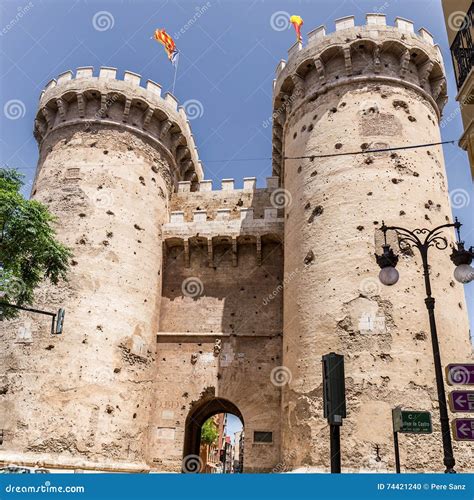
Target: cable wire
331,155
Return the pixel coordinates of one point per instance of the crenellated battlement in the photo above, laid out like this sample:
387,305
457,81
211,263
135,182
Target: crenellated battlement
199,202
187,297
208,233
85,99
402,28
249,184
357,55
208,218
246,215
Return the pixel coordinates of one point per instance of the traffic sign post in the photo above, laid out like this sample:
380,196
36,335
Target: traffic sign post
334,399
463,429
461,401
56,325
408,422
460,374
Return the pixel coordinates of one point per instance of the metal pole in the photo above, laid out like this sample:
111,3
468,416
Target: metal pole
37,311
397,452
29,309
448,461
335,438
432,238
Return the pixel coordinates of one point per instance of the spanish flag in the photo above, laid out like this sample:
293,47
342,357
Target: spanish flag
297,22
169,45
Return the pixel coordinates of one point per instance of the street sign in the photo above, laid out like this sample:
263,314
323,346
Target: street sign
461,401
463,429
59,321
460,374
415,422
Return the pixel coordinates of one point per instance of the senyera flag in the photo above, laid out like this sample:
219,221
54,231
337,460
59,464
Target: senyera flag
169,45
297,22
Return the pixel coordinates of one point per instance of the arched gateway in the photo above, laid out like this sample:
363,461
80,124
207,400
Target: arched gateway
193,425
234,294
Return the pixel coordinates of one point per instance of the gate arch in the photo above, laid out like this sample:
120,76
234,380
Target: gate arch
195,420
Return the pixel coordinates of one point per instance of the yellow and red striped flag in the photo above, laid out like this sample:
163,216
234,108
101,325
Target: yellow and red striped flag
297,22
169,45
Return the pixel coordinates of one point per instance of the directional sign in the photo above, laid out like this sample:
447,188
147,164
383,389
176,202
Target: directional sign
460,374
416,422
463,429
462,401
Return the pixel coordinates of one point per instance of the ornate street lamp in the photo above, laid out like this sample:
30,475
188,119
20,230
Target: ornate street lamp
423,239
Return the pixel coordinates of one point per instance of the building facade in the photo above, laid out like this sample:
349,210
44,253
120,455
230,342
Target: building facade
459,17
186,301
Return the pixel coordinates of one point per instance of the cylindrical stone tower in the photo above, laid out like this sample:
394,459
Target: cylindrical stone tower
111,154
360,88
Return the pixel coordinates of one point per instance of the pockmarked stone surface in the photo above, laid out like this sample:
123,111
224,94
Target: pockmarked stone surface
186,300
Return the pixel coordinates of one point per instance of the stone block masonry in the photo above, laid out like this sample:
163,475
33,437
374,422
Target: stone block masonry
362,87
184,300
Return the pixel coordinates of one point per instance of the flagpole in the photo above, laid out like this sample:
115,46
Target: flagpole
175,73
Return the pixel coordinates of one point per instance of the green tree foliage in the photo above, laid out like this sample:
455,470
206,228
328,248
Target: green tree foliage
209,432
29,251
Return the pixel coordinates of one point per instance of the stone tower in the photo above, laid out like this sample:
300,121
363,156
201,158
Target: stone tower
185,301
364,87
110,154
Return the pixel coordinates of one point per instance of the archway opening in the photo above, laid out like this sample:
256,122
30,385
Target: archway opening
214,438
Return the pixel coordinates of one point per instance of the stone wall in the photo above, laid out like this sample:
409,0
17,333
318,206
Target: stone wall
348,92
184,301
111,153
221,317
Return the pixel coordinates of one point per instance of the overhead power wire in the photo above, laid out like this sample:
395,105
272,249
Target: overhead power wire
332,155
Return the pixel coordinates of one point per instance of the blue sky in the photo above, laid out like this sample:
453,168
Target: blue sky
233,425
227,64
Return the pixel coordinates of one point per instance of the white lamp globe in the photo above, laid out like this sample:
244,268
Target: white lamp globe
464,273
388,276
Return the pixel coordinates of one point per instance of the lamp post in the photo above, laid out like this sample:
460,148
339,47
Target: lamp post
423,239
